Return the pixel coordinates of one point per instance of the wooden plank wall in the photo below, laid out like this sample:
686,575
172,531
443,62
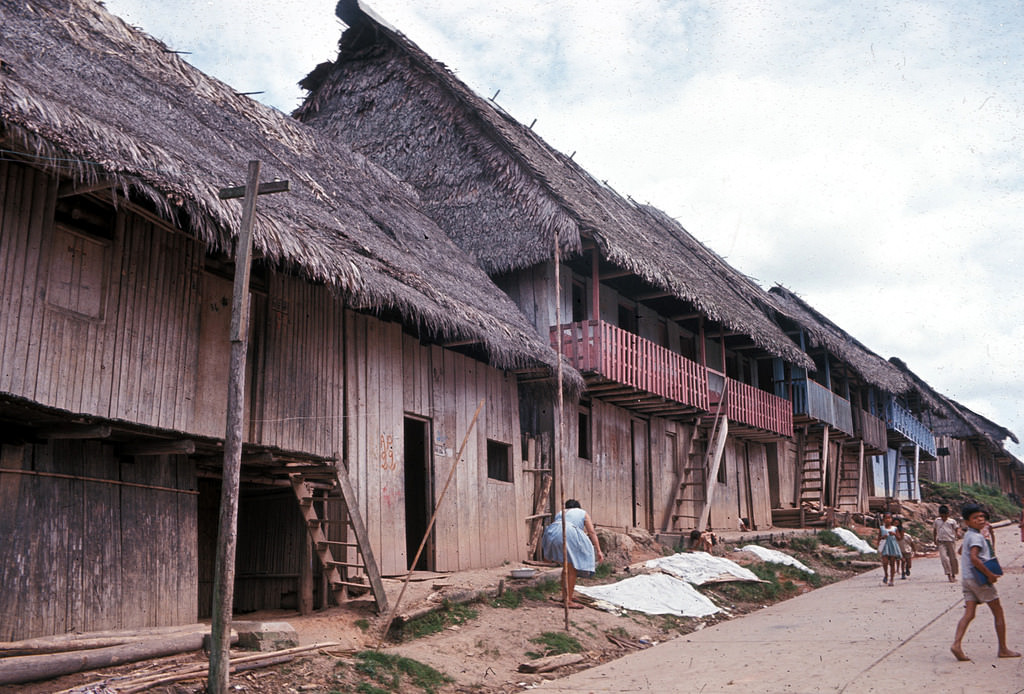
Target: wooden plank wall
746,463
82,555
126,349
388,375
269,557
965,464
298,398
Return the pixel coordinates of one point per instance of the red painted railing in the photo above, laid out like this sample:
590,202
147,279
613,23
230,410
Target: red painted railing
620,356
755,407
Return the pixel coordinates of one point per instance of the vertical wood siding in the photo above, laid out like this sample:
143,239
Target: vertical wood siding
134,356
84,556
388,375
298,374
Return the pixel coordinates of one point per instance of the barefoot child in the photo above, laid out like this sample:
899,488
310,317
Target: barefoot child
888,548
976,550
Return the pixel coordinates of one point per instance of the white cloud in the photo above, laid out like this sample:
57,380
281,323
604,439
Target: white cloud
865,155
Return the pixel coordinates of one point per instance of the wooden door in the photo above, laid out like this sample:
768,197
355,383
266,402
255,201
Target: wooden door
642,506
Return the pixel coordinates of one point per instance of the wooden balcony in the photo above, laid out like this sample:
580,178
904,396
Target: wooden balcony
871,430
627,370
751,408
814,400
904,427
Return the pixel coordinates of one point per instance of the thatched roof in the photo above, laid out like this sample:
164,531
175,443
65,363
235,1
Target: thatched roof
86,95
825,334
947,416
498,189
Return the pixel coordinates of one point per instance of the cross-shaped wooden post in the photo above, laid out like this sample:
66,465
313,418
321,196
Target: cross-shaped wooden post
224,571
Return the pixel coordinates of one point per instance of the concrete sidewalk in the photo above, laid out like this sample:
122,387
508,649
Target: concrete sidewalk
852,637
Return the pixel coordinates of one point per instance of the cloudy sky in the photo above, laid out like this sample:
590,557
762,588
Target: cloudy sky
866,155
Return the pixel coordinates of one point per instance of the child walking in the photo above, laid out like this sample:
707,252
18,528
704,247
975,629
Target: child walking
906,542
976,550
888,548
945,532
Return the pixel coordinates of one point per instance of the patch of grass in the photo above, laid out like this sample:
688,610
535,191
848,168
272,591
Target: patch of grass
829,537
555,643
392,670
604,570
793,573
435,622
363,624
954,495
367,688
542,590
510,599
619,632
772,589
804,543
918,529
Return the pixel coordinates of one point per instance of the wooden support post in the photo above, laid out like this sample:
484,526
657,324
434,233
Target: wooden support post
306,577
860,477
824,466
227,537
715,462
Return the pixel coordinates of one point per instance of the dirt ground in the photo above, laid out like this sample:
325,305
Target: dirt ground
481,645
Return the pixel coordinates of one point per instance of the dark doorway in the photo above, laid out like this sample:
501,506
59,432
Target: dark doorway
417,492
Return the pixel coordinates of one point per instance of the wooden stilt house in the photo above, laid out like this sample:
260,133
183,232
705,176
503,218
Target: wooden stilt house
969,448
838,416
679,422
373,339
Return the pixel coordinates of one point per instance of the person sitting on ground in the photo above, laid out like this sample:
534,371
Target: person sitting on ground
945,533
976,551
582,545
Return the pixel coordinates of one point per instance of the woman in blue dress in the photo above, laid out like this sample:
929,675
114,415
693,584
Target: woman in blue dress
888,548
581,542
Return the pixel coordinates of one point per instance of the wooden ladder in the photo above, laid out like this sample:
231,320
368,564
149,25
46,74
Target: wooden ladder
848,493
811,480
334,487
691,491
905,482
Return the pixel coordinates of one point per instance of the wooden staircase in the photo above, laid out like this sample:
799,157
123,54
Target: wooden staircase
811,475
692,503
906,482
347,563
851,467
691,494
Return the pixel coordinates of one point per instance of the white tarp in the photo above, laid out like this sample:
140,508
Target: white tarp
653,594
853,541
774,556
700,568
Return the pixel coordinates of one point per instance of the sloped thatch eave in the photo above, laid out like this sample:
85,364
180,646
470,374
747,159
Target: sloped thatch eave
89,98
823,333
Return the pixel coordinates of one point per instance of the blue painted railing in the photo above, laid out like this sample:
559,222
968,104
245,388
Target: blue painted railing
815,400
899,419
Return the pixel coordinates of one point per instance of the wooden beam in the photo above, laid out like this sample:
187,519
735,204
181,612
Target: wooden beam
460,343
686,316
76,431
615,274
180,447
653,295
70,188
